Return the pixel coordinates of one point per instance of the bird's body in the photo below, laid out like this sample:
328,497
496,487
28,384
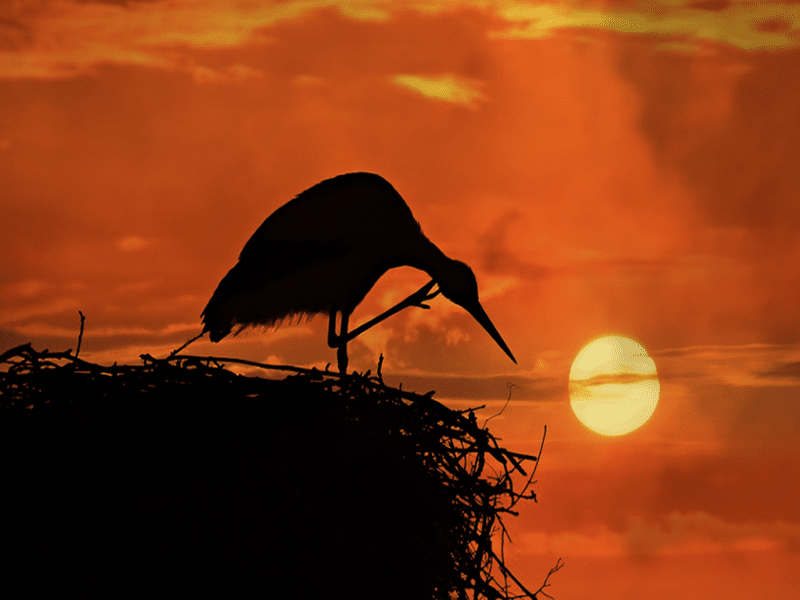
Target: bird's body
323,251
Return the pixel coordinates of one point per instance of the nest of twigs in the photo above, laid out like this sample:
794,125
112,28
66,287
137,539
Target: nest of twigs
179,477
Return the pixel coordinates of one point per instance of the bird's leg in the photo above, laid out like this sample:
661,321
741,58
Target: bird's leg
341,351
417,299
333,339
339,341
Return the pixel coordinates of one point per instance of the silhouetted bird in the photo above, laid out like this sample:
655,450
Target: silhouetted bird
323,251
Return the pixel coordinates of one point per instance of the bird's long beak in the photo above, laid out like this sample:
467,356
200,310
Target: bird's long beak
476,310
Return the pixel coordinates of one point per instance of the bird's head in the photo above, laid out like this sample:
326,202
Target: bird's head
457,283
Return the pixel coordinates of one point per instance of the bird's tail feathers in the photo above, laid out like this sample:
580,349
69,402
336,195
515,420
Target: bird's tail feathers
243,298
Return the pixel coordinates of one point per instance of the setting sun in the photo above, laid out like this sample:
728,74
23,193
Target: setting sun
613,385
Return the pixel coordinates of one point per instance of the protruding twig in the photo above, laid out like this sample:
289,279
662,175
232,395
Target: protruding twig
510,386
506,573
380,364
541,591
539,456
80,335
218,361
531,480
194,339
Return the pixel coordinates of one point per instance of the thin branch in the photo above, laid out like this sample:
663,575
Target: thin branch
541,591
80,335
502,410
380,365
531,480
505,572
242,361
194,339
539,456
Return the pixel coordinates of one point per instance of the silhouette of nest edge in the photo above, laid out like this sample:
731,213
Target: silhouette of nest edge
182,471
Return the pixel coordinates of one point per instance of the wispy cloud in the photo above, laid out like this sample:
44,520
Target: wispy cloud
26,289
679,534
498,259
787,371
748,365
131,243
231,74
40,329
66,38
754,26
63,38
41,307
449,88
537,389
617,378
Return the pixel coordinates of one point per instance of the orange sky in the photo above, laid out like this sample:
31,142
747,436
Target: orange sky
605,167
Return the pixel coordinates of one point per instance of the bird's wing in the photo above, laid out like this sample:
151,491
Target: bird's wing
267,260
255,291
348,208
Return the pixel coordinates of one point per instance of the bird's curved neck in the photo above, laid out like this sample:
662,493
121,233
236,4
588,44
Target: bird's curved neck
425,256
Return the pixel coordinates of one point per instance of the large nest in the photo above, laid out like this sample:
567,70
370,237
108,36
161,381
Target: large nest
180,476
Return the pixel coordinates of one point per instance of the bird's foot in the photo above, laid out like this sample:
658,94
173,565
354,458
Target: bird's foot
422,295
418,299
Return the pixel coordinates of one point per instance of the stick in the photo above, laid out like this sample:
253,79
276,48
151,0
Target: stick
80,335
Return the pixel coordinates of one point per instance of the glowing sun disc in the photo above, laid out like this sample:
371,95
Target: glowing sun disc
613,385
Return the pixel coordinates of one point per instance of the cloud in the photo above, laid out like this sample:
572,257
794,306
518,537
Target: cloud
231,74
702,533
618,378
11,339
678,534
449,88
26,289
54,305
132,243
541,389
64,39
748,27
786,372
39,329
499,260
743,365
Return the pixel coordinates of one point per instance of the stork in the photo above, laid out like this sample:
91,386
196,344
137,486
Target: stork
322,252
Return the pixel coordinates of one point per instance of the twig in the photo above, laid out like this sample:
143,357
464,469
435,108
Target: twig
380,365
541,591
80,335
508,573
502,410
242,361
194,339
531,479
539,456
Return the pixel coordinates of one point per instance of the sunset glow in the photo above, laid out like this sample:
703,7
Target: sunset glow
625,167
